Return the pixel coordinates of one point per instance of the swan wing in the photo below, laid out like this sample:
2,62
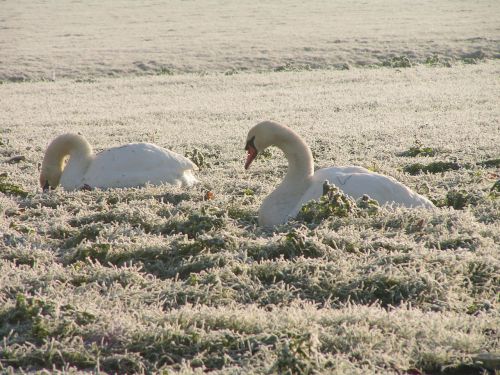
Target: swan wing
137,164
357,181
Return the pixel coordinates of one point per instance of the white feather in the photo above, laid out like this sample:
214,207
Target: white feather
131,165
301,184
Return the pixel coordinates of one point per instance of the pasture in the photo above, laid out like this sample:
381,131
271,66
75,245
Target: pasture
165,280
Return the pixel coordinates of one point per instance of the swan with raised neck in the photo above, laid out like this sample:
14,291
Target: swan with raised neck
301,184
70,162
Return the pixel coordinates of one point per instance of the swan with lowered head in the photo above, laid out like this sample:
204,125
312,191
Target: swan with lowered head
130,165
301,184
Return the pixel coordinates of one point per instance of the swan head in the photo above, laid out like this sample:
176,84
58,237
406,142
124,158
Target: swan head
50,176
57,155
261,136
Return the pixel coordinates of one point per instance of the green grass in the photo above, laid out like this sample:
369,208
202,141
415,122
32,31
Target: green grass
490,163
398,62
335,203
192,291
418,150
434,167
165,280
9,188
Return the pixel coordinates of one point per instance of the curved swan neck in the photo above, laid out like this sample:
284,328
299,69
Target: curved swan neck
67,144
72,145
298,154
278,206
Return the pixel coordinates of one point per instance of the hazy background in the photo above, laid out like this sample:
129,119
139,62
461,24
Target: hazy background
56,39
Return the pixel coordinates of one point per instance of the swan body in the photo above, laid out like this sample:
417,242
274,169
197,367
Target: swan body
301,184
131,165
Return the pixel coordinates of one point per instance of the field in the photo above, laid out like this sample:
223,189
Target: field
165,280
53,40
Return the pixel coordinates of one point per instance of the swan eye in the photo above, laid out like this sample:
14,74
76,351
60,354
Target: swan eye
250,144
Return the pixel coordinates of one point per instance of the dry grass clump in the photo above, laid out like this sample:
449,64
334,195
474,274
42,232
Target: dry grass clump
164,280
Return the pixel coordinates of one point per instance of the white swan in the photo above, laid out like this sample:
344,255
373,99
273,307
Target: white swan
301,184
131,165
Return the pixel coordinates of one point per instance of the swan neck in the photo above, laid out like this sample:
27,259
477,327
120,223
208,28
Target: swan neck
299,156
72,145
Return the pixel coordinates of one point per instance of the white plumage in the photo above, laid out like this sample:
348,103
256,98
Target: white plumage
301,184
131,165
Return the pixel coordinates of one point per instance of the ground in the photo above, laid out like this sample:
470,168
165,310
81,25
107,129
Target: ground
184,281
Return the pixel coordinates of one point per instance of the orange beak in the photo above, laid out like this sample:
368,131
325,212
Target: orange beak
251,154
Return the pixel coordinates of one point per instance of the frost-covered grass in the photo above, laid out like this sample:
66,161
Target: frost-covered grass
86,39
161,279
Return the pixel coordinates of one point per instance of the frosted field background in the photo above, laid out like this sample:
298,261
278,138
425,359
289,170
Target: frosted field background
161,280
52,40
